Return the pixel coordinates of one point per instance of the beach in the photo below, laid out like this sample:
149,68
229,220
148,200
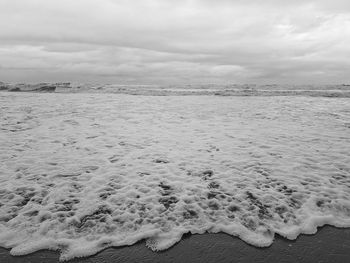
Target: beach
174,131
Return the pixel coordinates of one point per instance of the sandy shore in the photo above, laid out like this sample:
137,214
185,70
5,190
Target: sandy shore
328,245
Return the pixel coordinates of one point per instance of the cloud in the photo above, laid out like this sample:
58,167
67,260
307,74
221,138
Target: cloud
165,41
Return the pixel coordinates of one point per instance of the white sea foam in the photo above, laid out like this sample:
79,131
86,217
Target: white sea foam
82,172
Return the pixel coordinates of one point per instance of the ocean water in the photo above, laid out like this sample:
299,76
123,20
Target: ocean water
82,172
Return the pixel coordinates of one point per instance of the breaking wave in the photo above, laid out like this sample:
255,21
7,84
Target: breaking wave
338,91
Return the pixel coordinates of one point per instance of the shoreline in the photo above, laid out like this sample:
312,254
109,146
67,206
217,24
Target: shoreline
329,244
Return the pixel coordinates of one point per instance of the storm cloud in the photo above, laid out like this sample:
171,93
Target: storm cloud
167,41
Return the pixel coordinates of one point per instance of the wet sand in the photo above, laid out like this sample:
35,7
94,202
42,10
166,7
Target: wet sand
328,245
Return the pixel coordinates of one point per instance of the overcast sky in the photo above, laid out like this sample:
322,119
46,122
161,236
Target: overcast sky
175,41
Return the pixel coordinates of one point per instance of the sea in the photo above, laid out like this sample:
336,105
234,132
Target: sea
84,169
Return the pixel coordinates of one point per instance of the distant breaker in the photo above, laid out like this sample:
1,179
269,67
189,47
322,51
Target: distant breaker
340,90
41,87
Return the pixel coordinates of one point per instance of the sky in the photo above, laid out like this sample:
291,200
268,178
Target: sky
175,41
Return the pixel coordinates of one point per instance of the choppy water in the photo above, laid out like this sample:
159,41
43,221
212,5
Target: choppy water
82,172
